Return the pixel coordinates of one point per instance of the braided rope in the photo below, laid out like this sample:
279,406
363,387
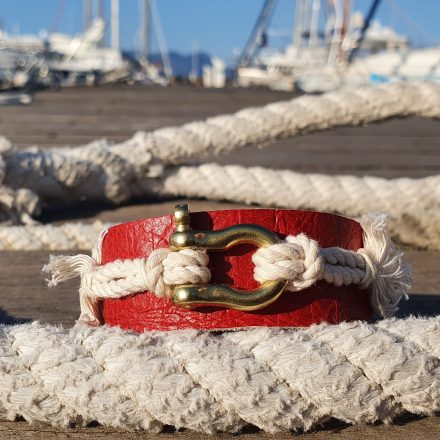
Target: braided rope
302,262
49,237
157,273
276,379
415,221
101,171
144,165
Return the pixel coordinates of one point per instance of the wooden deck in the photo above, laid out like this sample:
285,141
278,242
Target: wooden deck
407,147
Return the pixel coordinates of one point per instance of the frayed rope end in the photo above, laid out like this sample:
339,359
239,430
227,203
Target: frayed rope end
63,267
392,276
87,320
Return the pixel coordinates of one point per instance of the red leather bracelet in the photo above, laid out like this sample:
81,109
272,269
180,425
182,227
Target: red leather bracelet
320,303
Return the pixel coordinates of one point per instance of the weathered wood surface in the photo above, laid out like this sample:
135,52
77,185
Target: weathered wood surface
394,148
407,428
77,116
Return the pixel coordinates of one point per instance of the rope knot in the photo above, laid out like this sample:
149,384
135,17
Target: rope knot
157,273
187,266
164,269
296,260
371,269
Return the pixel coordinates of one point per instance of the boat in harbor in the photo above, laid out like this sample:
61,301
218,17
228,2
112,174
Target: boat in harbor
60,60
332,47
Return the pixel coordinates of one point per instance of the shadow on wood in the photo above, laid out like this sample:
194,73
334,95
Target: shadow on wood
420,305
5,318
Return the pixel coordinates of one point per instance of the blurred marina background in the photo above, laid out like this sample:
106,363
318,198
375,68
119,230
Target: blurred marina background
308,45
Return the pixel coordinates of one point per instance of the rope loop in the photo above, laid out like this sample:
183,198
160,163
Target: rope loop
187,266
296,260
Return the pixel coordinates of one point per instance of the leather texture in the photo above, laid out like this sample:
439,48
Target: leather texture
322,302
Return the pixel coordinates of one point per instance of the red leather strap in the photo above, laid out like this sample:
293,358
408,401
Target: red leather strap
321,302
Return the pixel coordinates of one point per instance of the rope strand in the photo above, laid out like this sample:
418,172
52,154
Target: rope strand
276,379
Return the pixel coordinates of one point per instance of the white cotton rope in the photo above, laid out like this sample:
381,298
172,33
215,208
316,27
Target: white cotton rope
157,273
276,379
17,206
101,171
149,165
272,378
66,236
299,260
412,204
414,222
378,265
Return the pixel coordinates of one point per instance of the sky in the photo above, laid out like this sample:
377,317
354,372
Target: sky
219,27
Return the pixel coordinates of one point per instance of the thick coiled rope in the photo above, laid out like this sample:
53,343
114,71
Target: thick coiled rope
101,171
412,204
149,165
275,379
50,237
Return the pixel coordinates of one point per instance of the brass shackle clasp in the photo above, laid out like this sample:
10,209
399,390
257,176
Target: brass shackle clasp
220,295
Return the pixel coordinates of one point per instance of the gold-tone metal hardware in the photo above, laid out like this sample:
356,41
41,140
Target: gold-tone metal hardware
220,295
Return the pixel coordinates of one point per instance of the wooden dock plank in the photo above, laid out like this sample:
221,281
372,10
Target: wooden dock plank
405,428
401,147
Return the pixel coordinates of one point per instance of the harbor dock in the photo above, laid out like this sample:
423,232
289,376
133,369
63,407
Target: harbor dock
75,116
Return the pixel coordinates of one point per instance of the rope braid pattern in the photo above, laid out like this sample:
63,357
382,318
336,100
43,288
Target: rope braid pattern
298,260
116,173
415,222
275,379
54,238
148,165
17,206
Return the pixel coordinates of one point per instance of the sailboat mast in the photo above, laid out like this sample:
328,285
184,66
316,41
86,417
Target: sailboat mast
314,23
298,29
258,32
194,74
87,13
307,21
367,22
101,15
167,68
115,24
145,29
335,42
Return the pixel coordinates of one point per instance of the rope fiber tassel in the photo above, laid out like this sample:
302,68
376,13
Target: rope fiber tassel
390,276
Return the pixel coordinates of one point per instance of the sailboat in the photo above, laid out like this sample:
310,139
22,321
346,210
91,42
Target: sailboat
332,48
83,55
